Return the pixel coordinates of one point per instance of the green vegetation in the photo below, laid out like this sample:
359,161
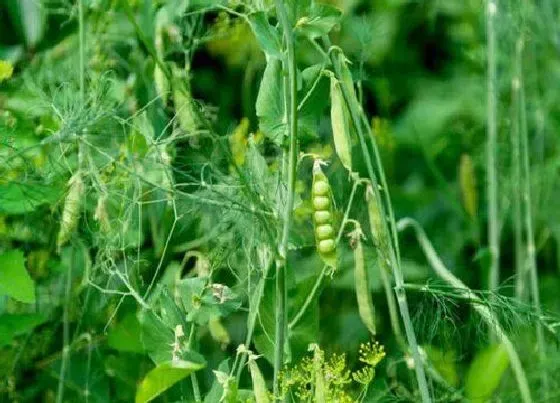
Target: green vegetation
279,200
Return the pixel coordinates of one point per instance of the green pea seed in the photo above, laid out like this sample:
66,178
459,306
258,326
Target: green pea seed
322,217
321,203
326,246
321,188
324,231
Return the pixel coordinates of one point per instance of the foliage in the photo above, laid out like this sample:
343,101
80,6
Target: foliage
163,164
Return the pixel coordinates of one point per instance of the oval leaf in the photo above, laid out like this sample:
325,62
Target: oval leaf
14,279
266,34
485,373
162,377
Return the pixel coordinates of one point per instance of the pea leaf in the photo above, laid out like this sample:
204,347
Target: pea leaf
445,364
156,337
162,377
14,325
126,335
14,279
21,198
321,19
266,34
270,102
485,373
202,302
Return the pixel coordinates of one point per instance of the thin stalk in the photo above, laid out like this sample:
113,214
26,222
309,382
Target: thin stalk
251,321
384,271
516,178
486,314
82,40
65,333
290,66
358,118
492,176
321,277
194,380
530,236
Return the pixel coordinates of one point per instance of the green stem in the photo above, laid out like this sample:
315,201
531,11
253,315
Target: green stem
516,178
251,321
290,66
530,251
65,332
384,271
194,380
492,176
359,121
482,309
81,33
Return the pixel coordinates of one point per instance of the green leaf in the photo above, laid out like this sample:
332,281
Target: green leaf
14,279
126,336
21,198
14,325
162,377
485,373
444,363
203,302
270,102
266,34
157,338
321,19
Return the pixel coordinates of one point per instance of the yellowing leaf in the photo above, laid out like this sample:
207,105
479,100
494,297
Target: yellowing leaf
162,377
6,70
238,142
468,185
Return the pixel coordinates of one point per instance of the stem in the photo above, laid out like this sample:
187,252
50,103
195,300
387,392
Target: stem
290,65
516,176
252,320
487,315
359,121
384,271
492,177
194,380
82,49
65,333
531,258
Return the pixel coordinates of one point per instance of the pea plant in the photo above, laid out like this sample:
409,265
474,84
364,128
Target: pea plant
156,246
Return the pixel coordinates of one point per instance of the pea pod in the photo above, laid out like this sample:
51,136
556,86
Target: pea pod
363,294
71,211
340,125
259,384
323,216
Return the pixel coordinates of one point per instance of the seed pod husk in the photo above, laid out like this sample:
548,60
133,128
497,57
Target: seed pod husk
376,218
363,293
71,210
467,180
161,83
340,125
259,384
